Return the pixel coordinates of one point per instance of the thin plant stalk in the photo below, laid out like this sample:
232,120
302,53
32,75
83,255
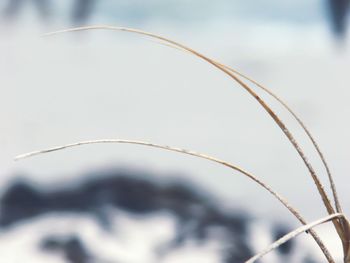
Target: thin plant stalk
306,130
296,117
342,227
293,234
199,155
339,227
279,122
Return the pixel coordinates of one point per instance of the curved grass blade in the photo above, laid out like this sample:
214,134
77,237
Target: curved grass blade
295,116
278,121
340,226
199,155
307,131
293,234
344,226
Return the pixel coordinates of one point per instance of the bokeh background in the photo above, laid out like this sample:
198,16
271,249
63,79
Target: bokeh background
103,84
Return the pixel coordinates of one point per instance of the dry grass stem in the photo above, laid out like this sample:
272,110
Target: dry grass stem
199,155
341,224
279,122
293,234
296,117
306,130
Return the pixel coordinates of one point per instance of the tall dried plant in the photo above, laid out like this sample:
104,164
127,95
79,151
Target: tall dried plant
334,211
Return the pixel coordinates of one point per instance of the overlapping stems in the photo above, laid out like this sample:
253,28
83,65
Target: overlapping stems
340,223
200,155
293,234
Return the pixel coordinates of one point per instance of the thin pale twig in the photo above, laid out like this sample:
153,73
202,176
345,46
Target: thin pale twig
339,227
239,81
199,155
293,234
296,117
307,131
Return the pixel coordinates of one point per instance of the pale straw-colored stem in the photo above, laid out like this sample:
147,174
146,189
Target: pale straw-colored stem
199,155
293,234
296,117
338,225
239,81
307,131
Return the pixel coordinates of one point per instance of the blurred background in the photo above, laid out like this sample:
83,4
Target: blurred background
124,203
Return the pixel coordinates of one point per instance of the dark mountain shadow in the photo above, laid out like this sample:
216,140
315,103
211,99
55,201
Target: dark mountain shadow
196,214
339,13
81,10
71,247
14,8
